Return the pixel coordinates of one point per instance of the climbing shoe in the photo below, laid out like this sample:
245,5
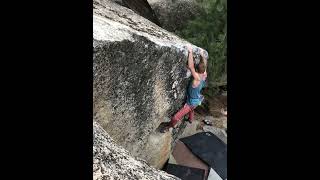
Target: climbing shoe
189,121
165,127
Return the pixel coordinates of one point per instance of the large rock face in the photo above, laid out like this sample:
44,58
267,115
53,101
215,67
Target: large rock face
114,163
140,77
158,149
173,14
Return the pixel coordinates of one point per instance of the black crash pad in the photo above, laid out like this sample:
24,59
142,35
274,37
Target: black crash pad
210,149
185,173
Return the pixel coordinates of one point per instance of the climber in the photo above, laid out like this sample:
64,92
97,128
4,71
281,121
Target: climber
194,98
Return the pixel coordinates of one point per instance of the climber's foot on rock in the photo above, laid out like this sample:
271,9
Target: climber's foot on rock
164,127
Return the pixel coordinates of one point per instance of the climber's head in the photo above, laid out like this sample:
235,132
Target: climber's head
201,67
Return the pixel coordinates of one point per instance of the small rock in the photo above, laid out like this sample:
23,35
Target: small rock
207,122
209,119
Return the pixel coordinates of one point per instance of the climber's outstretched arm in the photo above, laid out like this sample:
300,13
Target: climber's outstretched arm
202,56
191,65
204,60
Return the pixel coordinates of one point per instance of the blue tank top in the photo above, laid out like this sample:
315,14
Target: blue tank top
194,98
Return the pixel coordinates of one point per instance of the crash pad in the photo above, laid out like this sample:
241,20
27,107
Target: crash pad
210,149
182,155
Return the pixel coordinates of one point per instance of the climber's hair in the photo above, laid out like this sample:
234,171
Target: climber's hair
201,67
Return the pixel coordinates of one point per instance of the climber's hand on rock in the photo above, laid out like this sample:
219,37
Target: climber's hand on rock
189,48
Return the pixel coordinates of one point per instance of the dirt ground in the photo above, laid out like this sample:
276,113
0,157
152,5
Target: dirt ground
212,107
